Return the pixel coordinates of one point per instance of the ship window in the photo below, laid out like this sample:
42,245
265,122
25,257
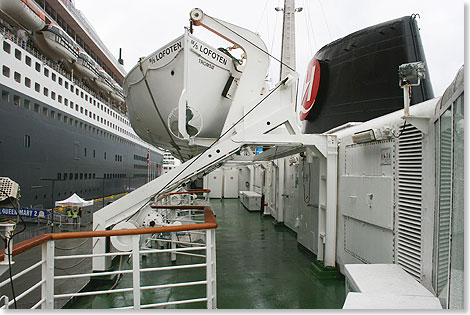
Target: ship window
37,87
86,112
86,97
27,60
36,107
66,101
94,116
53,77
89,114
16,100
52,114
86,177
60,81
27,141
94,153
94,102
53,95
27,82
71,104
6,47
81,125
46,91
66,118
76,123
81,94
105,155
65,176
5,96
59,116
59,98
81,109
94,178
84,151
76,175
76,91
71,121
26,104
17,77
59,177
81,175
6,71
38,67
71,176
18,54
45,111
46,72
66,84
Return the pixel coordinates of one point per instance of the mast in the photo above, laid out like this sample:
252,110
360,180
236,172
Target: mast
288,37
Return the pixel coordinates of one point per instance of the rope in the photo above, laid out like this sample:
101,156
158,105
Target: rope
326,22
71,248
253,44
69,267
262,14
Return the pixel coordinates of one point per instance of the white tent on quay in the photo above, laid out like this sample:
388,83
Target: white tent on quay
74,201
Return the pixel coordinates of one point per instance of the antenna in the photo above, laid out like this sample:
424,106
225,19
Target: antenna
120,60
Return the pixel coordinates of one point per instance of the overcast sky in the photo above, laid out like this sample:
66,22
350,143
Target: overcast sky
140,27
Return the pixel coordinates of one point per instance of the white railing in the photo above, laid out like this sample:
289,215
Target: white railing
203,248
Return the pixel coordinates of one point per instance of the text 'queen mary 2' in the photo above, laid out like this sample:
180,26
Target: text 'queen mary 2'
64,123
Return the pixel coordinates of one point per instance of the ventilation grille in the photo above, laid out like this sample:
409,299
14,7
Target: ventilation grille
445,208
409,227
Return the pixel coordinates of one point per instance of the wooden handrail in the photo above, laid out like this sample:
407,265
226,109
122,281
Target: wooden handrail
209,223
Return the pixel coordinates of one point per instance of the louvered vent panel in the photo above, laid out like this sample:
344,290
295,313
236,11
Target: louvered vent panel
445,208
410,171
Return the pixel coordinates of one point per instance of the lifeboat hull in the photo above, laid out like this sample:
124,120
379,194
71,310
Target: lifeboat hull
117,97
83,72
155,89
24,13
54,47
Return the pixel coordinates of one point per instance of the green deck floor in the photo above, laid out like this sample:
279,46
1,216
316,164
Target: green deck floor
259,266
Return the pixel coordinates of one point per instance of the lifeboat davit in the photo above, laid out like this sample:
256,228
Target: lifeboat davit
85,67
25,13
56,43
178,98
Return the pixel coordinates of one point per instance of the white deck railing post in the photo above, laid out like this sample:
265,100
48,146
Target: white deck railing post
173,246
210,269
136,270
47,289
214,271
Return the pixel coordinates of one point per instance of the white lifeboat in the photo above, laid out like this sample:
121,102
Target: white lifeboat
85,67
103,81
56,43
25,13
181,93
117,93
